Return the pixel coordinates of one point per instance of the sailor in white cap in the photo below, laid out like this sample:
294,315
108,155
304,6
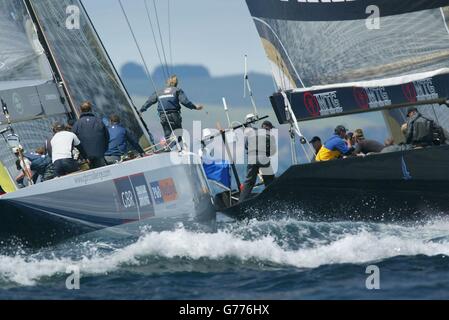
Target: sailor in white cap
259,145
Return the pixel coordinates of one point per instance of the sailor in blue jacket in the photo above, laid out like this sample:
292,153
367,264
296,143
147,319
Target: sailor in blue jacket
335,147
119,137
170,100
93,135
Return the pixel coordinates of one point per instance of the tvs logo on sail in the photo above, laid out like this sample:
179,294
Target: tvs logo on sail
371,97
322,104
420,90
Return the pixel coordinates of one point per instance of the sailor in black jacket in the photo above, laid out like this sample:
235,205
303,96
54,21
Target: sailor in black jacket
421,131
93,134
170,100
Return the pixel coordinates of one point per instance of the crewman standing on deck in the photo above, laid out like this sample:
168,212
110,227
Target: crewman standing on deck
260,145
169,106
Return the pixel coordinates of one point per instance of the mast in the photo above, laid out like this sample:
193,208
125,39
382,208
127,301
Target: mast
54,65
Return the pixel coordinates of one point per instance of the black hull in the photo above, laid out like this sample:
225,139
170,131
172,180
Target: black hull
396,186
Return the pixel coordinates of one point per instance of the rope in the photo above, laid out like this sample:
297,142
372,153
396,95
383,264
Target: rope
147,70
160,34
295,127
164,69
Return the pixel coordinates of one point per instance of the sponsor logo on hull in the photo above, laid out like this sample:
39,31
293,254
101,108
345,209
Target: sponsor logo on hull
134,196
164,191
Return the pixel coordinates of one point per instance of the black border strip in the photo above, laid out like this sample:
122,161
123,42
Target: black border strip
336,11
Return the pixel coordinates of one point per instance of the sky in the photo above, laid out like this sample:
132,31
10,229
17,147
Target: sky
213,33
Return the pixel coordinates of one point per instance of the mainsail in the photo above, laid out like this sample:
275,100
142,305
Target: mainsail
27,86
83,62
48,68
340,57
22,57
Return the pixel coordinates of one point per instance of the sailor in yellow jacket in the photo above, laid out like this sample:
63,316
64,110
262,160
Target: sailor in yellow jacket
335,147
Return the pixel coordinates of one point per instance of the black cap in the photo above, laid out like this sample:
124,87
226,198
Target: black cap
315,139
340,128
411,109
267,124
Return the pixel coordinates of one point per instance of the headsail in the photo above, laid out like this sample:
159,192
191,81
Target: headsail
335,55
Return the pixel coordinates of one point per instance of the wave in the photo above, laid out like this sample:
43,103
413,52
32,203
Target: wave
285,243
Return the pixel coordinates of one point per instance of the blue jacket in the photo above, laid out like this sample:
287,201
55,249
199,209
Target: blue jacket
39,163
170,98
93,134
119,138
333,149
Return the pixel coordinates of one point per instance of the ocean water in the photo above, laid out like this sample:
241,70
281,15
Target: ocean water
277,258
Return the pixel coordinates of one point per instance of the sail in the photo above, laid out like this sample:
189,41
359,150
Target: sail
34,99
83,62
335,55
22,57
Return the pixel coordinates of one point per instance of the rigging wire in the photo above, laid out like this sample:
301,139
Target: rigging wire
160,34
164,68
170,35
147,70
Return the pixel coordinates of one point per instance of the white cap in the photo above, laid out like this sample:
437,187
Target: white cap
250,117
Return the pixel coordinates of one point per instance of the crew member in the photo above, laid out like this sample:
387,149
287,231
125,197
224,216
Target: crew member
260,145
62,145
169,106
316,144
365,146
23,164
41,164
119,137
93,134
422,132
336,146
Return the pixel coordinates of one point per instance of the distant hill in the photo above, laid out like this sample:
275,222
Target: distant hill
199,85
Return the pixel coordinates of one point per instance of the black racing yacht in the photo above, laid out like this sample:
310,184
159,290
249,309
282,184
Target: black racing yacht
332,59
